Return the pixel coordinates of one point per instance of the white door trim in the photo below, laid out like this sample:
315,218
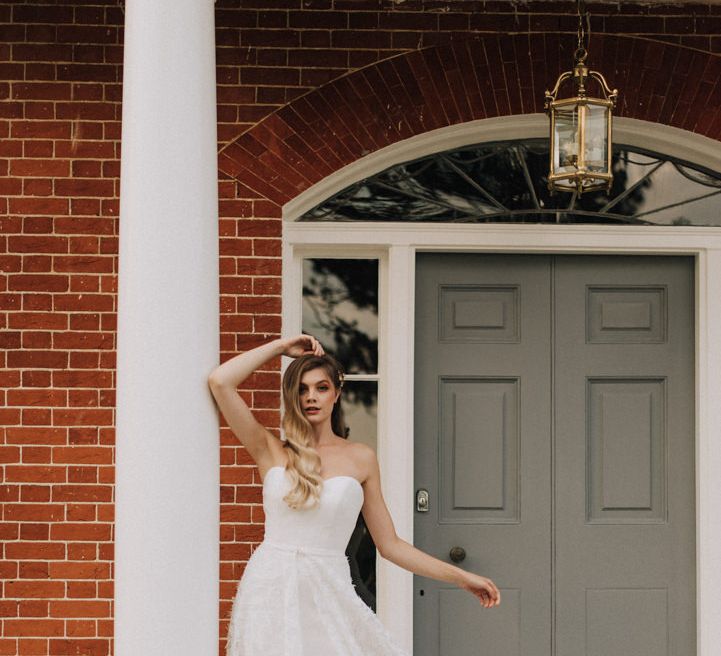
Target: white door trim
397,243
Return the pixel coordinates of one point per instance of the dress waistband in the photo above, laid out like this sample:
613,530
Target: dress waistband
296,548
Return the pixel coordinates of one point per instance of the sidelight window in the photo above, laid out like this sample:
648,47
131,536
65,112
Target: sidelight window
340,308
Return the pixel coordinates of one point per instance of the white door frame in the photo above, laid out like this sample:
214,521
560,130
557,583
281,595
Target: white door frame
396,245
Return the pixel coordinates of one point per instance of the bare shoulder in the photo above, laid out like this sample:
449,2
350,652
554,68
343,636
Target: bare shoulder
367,460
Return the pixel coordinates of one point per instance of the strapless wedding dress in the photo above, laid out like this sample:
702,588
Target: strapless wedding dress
296,596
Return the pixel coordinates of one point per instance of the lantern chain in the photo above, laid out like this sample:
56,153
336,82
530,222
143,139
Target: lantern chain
583,32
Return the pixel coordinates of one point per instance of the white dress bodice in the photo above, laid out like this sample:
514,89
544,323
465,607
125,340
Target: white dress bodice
325,527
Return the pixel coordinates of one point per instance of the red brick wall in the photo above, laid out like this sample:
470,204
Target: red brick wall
60,92
59,144
270,53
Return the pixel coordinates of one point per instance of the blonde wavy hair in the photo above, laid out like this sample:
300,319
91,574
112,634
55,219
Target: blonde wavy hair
303,459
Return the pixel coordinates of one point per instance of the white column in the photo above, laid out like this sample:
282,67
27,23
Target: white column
167,455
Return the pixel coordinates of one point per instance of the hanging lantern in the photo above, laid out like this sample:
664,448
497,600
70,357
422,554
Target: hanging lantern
580,126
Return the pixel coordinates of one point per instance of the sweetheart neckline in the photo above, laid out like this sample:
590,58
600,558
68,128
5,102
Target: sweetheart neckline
325,480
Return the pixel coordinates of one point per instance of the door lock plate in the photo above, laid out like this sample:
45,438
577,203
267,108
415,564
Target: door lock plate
422,500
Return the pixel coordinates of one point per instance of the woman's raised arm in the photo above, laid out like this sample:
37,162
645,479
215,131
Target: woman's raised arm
224,380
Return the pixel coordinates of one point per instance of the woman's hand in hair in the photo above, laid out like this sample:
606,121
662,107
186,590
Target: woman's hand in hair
302,344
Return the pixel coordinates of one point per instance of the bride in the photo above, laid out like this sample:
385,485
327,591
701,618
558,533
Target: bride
320,481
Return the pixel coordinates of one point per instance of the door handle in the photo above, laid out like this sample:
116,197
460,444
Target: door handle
457,554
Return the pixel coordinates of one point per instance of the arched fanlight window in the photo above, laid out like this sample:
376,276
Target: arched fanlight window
506,182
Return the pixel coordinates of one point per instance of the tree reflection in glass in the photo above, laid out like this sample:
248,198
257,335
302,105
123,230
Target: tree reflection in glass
340,308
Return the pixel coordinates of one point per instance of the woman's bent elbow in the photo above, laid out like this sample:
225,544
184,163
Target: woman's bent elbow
214,381
386,549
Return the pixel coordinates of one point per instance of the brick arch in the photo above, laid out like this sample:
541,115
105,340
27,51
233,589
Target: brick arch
473,78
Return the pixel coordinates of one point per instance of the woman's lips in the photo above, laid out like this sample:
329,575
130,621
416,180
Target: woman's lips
311,411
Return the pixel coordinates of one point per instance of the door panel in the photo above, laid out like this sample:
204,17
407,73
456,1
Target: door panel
624,456
554,435
483,330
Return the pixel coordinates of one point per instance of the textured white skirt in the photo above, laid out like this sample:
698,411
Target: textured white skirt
300,601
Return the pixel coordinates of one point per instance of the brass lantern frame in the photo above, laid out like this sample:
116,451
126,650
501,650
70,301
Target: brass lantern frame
581,178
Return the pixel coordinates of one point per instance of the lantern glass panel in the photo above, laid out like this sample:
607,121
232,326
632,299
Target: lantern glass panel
596,138
565,142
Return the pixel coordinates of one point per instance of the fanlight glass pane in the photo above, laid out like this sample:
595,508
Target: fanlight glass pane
340,308
702,204
506,182
596,138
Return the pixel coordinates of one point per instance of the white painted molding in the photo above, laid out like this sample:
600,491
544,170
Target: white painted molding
494,237
708,451
689,146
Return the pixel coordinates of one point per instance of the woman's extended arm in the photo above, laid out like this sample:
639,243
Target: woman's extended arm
408,557
224,380
405,555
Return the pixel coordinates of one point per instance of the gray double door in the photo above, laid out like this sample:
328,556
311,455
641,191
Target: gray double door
554,439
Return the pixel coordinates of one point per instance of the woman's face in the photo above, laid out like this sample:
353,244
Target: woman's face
317,395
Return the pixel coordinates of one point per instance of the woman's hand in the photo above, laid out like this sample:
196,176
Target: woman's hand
302,344
485,589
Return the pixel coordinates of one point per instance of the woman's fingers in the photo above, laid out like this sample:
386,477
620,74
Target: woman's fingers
302,344
490,595
483,588
315,347
307,344
492,598
495,592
